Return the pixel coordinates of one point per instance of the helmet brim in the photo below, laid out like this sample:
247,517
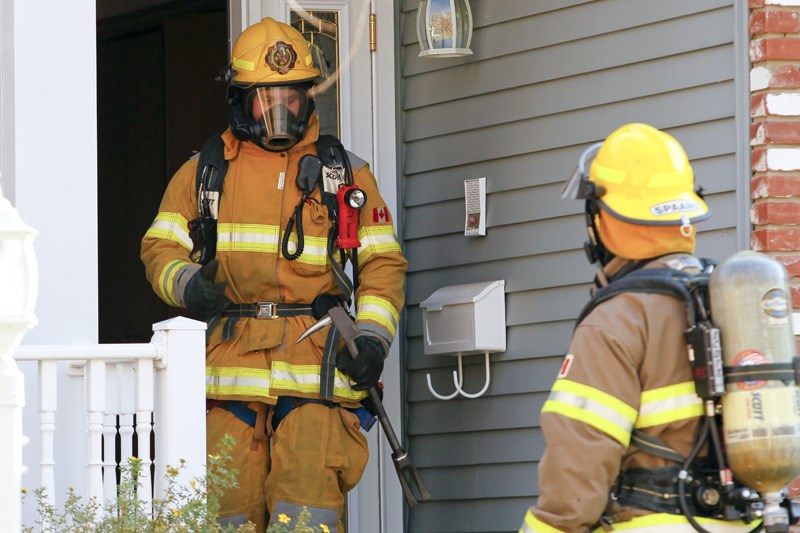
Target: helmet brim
666,210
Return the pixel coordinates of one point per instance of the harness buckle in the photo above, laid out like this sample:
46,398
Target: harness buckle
266,310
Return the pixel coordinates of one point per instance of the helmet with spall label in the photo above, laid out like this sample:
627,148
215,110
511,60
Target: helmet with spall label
638,178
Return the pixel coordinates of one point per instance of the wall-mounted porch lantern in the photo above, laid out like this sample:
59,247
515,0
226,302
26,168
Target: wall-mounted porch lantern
444,28
18,288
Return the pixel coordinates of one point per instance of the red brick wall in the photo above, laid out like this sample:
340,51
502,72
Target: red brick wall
775,138
775,133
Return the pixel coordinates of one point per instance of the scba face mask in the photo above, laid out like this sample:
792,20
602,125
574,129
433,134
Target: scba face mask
279,115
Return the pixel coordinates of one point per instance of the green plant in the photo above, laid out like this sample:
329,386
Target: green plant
182,509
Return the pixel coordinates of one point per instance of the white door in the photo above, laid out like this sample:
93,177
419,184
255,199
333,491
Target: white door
348,110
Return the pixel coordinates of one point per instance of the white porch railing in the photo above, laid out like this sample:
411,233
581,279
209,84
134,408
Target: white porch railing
161,383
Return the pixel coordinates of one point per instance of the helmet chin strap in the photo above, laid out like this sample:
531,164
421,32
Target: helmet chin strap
594,247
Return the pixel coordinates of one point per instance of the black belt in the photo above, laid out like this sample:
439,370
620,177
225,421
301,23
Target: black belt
267,310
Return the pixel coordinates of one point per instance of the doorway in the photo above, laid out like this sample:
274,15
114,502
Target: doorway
157,102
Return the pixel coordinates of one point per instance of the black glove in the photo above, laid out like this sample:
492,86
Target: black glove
202,296
366,368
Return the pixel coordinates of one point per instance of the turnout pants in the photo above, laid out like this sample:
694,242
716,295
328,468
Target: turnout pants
306,467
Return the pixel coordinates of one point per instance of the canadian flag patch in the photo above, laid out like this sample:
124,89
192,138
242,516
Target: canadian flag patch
380,214
565,366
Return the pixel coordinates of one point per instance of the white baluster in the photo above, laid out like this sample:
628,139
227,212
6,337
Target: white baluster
110,434
127,393
95,405
48,393
144,414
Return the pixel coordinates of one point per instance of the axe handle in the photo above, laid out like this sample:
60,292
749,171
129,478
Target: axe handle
402,461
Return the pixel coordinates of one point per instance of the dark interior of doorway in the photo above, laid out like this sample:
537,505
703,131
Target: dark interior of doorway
157,102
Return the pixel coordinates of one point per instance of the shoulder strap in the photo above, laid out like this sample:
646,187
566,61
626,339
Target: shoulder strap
650,280
211,169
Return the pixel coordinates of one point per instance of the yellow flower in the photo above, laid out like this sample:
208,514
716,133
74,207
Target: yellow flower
193,483
324,528
176,512
24,490
284,519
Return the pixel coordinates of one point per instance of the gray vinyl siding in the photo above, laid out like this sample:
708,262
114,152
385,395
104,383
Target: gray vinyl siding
547,79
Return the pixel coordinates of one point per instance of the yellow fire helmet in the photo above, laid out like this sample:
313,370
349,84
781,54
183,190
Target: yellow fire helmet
273,53
639,175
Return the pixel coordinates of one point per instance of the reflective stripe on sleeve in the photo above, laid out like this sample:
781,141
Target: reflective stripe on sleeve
376,240
533,525
224,381
592,406
166,281
669,404
172,227
378,310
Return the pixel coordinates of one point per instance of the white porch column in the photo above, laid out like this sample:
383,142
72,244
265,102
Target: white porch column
49,163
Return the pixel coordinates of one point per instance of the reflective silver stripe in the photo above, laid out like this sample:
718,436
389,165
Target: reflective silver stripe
600,411
376,239
234,237
172,227
224,381
378,310
166,280
247,238
305,378
669,404
239,381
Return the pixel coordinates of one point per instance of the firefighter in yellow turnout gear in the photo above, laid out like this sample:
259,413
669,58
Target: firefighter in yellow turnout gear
292,408
626,377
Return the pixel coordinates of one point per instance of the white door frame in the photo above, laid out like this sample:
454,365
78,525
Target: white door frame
370,510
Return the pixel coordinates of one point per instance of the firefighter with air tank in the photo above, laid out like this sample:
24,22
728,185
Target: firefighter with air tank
253,236
676,407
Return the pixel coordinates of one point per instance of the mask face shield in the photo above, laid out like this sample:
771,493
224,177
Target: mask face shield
578,187
280,114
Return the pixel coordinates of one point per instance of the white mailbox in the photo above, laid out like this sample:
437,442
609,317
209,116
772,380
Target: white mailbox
465,319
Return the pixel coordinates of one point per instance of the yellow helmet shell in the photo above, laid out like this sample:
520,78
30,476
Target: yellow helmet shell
646,178
271,53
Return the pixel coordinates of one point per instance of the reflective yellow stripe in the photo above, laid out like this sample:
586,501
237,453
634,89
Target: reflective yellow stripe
592,406
678,524
228,381
669,404
263,238
305,378
172,227
167,278
534,525
315,249
243,64
376,239
378,310
232,237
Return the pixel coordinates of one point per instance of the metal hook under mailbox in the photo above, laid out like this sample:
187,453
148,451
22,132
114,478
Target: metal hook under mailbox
458,381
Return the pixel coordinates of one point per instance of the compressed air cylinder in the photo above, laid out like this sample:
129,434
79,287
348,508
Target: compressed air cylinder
751,304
